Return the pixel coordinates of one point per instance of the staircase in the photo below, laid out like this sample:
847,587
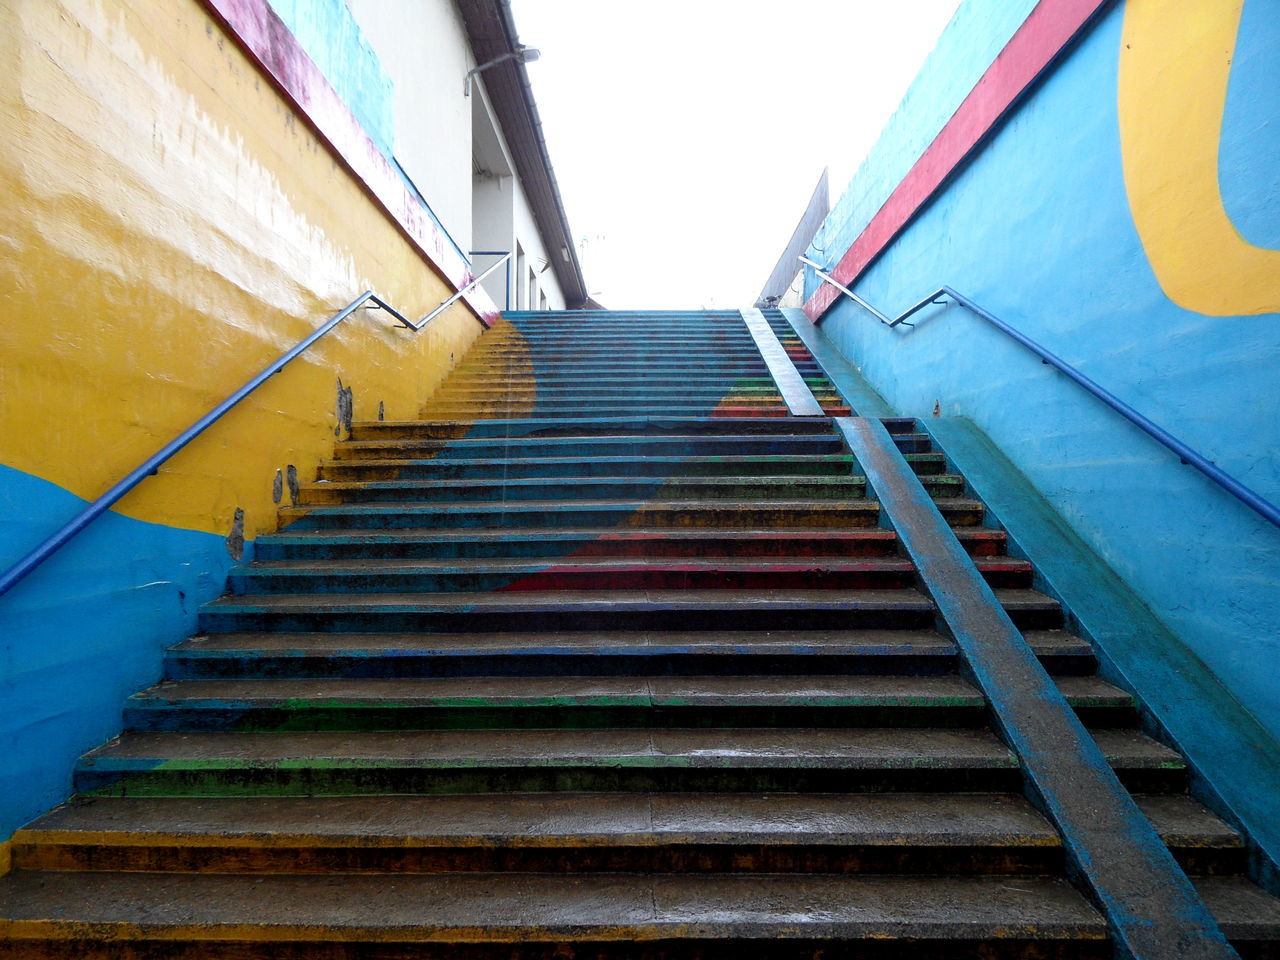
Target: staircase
609,656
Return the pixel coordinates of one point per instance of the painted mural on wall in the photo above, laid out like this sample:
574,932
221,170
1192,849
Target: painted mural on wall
1176,63
173,221
1105,177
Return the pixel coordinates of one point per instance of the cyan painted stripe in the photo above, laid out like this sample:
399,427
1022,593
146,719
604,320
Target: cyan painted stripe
795,392
853,389
1151,907
1238,759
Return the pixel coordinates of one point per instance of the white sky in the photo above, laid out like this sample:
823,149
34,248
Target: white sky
687,135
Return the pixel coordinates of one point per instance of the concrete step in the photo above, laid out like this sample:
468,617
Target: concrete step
692,542
588,426
361,762
740,514
991,834
726,409
601,610
580,352
587,392
835,465
523,361
497,448
481,703
830,464
524,916
526,366
569,488
588,654
400,575
655,513
479,380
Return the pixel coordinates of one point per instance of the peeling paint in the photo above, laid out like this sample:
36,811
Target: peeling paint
343,409
235,539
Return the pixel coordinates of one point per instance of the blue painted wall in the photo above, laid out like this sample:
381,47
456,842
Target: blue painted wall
1037,228
84,632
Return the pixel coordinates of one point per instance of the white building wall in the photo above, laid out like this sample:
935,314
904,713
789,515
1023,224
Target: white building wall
537,254
423,48
440,141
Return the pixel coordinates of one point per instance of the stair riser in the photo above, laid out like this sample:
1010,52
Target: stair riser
908,617
568,619
321,781
763,943
572,488
573,412
595,447
649,546
604,488
658,470
841,515
637,390
481,449
655,468
543,664
639,426
238,718
317,780
659,356
816,578
528,368
1006,859
482,381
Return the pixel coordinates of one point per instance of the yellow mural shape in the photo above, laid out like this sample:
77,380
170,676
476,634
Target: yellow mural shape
169,226
1175,61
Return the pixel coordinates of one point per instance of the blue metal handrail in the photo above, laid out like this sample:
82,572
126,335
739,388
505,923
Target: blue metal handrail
1251,499
152,464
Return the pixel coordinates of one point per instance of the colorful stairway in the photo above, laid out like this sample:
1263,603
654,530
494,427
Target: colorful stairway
609,656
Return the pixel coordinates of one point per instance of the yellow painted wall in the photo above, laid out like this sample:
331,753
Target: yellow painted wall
170,225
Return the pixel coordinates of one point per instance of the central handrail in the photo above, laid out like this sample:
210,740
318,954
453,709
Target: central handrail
152,464
1186,454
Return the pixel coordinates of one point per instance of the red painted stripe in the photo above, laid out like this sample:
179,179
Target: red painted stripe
265,38
1046,32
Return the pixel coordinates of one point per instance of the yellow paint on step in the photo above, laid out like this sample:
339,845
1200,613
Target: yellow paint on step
170,226
520,379
1175,63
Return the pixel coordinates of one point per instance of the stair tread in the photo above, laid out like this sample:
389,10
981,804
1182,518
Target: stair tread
595,534
514,907
852,480
702,691
545,506
900,599
647,642
836,458
367,565
549,819
744,748
637,819
868,747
